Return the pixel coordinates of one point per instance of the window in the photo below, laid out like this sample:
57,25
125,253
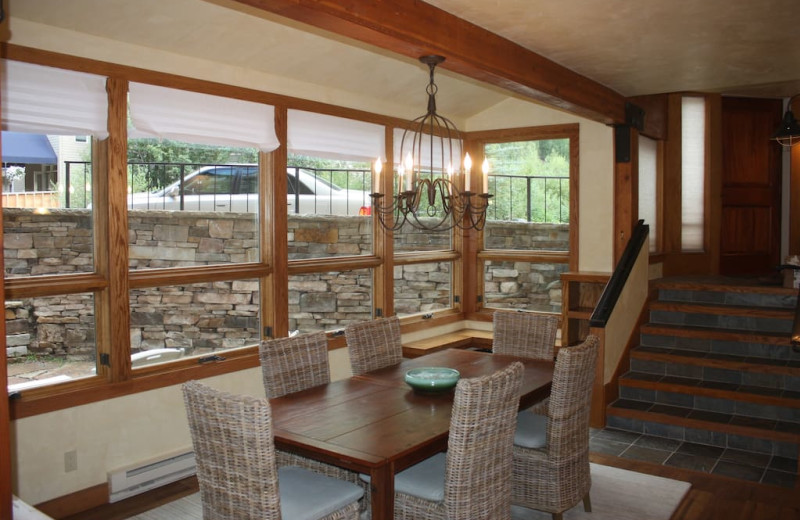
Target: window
329,182
693,176
48,223
200,319
529,183
422,287
649,188
329,300
532,174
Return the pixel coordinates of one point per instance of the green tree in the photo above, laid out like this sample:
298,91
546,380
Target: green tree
529,180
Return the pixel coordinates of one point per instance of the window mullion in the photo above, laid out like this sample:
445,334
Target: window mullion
113,221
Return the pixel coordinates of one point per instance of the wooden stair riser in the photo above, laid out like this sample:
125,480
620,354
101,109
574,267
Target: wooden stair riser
715,366
715,370
702,432
768,351
734,404
705,333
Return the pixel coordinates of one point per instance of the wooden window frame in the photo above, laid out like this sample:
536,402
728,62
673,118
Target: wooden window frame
112,280
477,310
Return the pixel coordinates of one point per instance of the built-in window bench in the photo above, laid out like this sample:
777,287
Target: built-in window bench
464,338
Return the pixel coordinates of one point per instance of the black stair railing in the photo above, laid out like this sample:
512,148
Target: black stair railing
613,289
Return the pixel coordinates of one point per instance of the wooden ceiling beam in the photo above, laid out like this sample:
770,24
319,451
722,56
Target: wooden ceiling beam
413,28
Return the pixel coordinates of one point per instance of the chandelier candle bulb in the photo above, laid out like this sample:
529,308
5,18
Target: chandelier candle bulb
409,167
467,168
376,187
485,168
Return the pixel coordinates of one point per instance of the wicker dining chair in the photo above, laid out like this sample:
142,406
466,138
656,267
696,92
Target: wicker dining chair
472,480
373,344
233,444
293,364
525,334
551,452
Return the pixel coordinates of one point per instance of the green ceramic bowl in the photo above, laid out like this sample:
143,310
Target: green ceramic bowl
432,380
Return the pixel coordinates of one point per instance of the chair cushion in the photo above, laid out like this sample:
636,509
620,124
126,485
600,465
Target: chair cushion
531,430
306,495
423,480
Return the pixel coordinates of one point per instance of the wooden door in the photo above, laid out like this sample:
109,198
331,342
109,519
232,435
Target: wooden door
751,187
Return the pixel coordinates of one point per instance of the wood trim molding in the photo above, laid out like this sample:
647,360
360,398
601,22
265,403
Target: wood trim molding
414,29
597,416
89,390
75,503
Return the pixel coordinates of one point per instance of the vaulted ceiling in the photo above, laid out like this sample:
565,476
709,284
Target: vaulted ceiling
734,47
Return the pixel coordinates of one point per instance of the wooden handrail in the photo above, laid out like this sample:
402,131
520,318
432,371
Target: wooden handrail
602,312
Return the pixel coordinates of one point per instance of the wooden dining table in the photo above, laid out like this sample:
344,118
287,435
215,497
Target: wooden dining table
376,424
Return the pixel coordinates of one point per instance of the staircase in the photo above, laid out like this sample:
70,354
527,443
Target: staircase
715,366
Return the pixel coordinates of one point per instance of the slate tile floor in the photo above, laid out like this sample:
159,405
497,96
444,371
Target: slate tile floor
745,465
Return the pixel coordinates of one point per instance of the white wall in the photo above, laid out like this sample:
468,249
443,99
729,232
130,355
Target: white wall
119,432
596,173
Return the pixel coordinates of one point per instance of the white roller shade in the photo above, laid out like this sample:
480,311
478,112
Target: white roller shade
48,100
321,135
168,113
648,186
693,177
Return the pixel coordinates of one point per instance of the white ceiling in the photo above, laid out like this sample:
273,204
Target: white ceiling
736,47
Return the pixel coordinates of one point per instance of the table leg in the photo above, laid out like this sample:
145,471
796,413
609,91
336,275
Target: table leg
382,490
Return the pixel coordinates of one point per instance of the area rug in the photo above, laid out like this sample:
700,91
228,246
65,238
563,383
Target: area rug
617,494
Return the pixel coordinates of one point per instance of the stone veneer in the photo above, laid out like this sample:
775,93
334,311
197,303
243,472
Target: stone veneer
205,317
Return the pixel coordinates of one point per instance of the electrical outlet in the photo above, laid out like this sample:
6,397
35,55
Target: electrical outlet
70,461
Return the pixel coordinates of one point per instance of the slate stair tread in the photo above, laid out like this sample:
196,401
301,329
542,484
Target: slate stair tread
694,386
720,376
789,367
768,429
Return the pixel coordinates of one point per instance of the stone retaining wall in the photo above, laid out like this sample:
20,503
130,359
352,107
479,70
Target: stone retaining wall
206,317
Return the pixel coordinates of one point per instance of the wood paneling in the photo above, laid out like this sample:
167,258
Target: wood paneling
655,115
118,292
751,187
626,192
671,195
794,194
415,29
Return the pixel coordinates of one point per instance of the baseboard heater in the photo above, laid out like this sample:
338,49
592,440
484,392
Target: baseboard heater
130,481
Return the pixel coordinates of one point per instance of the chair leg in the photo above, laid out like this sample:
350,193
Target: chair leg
587,503
558,516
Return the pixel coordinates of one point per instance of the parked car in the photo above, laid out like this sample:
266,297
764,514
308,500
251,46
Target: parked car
234,187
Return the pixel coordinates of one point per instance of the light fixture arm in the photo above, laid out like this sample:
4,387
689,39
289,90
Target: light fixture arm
427,197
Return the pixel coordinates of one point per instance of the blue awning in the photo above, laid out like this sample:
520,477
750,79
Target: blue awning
22,148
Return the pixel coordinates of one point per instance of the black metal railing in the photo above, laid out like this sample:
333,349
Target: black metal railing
535,198
608,300
163,185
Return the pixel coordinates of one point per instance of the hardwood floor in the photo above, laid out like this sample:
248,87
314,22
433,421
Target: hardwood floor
712,497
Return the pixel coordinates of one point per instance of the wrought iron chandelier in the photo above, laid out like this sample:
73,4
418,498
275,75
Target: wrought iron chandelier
428,173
